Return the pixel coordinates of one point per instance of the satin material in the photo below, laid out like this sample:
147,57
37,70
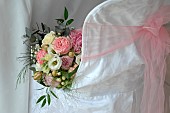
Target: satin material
111,82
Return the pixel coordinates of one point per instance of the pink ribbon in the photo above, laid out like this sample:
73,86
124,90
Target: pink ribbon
154,48
152,41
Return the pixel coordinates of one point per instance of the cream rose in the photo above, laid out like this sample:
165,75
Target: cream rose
48,39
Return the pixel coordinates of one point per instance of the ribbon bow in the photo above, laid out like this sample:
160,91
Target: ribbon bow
154,26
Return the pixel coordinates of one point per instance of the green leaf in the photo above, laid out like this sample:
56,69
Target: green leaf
49,99
63,73
47,29
73,72
40,88
54,94
67,32
28,32
59,21
32,39
69,22
33,69
65,13
40,99
59,29
43,103
36,31
43,27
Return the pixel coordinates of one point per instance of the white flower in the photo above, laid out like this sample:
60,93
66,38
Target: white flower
38,67
45,68
78,59
50,50
55,63
48,39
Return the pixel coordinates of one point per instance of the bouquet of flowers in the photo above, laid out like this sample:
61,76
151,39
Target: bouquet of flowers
53,56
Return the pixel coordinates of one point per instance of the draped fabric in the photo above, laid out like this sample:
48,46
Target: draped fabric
123,56
15,15
120,71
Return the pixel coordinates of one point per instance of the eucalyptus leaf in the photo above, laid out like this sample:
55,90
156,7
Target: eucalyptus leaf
69,22
47,29
43,103
33,69
36,32
39,37
32,39
58,29
43,27
66,32
59,21
28,32
49,99
40,99
53,94
65,13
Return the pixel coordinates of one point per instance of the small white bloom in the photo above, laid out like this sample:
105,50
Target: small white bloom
78,59
59,73
48,39
55,63
38,67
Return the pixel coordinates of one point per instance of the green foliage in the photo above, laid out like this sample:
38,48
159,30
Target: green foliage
46,99
63,24
40,99
65,13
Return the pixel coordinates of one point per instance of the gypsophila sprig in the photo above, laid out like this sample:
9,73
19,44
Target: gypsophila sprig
53,56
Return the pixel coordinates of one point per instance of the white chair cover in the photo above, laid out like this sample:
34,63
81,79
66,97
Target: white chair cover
108,80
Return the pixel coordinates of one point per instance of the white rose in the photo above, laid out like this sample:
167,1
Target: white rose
48,39
55,63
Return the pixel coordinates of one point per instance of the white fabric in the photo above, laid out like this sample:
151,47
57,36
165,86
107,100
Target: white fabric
15,15
118,93
114,82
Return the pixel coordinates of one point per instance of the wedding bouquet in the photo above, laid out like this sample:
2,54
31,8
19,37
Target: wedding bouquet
53,56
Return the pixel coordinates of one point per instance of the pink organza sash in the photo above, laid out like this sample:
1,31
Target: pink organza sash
153,44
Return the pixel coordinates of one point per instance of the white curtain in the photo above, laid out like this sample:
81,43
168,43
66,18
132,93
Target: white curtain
15,15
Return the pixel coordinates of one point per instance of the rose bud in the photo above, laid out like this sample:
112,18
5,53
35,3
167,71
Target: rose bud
62,83
58,79
71,54
37,75
59,73
54,73
63,77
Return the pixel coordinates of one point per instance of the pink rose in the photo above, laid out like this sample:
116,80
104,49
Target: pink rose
76,39
62,45
50,81
40,54
66,62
